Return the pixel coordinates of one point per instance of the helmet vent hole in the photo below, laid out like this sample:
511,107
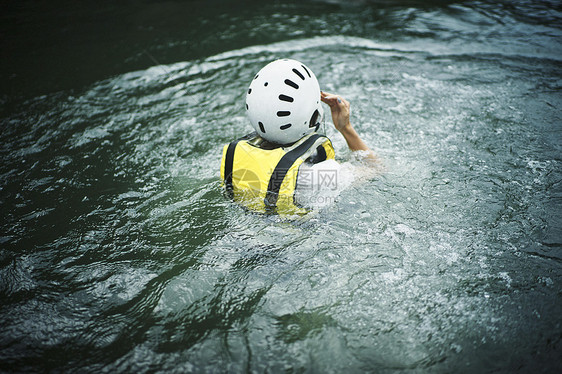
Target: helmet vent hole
265,84
246,106
307,72
286,98
249,91
285,127
298,73
261,127
289,82
256,77
283,113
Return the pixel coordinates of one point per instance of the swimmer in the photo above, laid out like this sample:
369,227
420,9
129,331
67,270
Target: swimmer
264,170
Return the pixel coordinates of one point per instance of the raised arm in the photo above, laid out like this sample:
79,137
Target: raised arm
340,115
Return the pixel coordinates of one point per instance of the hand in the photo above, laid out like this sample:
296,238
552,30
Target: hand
340,110
340,115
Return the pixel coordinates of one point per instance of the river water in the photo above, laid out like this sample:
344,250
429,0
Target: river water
119,252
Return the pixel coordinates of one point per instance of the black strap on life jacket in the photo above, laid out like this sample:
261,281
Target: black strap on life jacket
318,156
228,165
281,170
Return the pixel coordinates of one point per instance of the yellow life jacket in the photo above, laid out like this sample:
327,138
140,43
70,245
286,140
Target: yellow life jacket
263,177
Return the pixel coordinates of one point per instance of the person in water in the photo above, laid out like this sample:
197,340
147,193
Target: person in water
264,170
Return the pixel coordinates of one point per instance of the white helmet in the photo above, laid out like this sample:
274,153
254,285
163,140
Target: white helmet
283,102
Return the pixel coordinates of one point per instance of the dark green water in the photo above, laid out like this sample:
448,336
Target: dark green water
119,252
